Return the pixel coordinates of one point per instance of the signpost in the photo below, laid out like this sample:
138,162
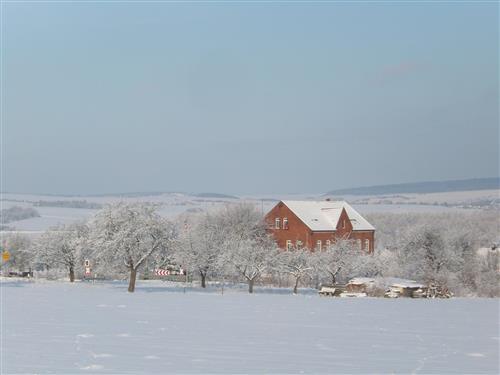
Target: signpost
87,268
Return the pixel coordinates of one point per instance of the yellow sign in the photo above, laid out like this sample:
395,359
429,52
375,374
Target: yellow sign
5,256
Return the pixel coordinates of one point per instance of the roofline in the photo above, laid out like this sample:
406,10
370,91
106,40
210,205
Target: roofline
297,216
312,230
334,230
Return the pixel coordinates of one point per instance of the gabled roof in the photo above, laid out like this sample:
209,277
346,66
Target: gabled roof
325,215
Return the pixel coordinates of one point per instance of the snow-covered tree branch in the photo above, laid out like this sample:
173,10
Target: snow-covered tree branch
129,234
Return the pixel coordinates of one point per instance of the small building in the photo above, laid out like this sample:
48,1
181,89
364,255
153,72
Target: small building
318,224
360,284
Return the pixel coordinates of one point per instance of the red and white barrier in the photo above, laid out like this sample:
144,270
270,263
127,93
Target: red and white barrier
160,272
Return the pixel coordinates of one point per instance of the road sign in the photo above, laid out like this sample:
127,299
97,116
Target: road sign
160,272
5,256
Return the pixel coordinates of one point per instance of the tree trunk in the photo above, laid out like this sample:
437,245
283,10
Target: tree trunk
131,283
250,285
334,277
203,279
71,275
296,285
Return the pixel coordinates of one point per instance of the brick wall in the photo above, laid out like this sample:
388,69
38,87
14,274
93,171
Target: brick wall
296,230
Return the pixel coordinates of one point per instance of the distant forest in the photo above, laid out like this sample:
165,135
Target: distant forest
17,213
423,187
69,204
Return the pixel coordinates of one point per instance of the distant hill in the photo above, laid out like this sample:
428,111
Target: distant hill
423,187
215,195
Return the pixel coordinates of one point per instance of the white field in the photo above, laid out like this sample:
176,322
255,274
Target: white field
56,327
173,204
451,197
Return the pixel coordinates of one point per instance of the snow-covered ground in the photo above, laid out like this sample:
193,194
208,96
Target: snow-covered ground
452,198
174,204
56,327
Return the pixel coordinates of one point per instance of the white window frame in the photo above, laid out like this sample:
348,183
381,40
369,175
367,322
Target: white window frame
319,244
285,223
277,223
289,244
328,244
367,244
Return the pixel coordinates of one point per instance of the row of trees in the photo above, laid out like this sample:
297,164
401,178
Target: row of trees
228,244
232,243
441,248
16,213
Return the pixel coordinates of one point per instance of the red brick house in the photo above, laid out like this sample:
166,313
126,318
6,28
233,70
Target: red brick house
317,224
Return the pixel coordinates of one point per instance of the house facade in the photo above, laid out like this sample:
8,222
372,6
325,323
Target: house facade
318,224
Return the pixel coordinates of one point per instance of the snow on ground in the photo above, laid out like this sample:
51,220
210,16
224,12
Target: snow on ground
174,204
403,208
450,197
57,327
51,217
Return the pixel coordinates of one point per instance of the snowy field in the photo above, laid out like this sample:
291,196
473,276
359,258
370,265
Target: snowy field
174,204
55,327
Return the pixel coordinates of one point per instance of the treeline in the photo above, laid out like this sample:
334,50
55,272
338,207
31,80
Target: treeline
232,244
441,248
16,213
69,204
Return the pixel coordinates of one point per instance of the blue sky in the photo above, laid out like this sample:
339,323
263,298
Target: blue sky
247,98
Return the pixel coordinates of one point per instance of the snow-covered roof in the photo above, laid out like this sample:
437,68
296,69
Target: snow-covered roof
325,215
411,284
361,281
385,282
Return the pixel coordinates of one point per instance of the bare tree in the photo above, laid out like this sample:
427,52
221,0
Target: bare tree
61,246
343,257
297,263
423,254
247,248
251,258
201,243
128,235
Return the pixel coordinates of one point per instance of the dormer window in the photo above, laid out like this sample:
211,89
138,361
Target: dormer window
277,223
285,223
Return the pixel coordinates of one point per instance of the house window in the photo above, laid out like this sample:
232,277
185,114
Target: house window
328,243
298,244
318,244
289,244
367,244
285,223
343,224
360,244
277,222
